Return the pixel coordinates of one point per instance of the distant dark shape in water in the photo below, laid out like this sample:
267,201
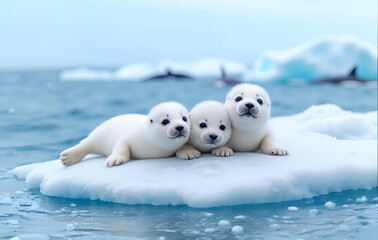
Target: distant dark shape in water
351,78
169,76
225,80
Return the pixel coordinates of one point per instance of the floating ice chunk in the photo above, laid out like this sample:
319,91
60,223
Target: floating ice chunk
209,230
274,226
64,209
240,217
313,212
31,236
330,205
10,222
207,214
6,201
70,227
375,199
73,205
224,223
49,84
237,230
161,238
243,178
292,208
361,199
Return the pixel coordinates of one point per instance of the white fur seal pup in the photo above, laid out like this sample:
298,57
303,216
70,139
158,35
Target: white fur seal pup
248,106
210,131
159,134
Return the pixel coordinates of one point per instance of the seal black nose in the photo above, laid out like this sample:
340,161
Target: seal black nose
213,136
179,128
249,105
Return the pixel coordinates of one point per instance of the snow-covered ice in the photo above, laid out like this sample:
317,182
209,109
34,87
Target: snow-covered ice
333,121
322,160
329,56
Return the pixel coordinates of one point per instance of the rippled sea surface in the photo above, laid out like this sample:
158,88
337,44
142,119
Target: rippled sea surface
40,116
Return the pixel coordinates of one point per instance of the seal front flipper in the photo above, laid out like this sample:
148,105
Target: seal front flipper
188,152
223,151
121,154
269,147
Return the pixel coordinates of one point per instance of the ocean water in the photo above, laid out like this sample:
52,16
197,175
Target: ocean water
42,115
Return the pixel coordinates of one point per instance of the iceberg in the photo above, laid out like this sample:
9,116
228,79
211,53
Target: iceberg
321,161
325,57
204,68
85,74
330,56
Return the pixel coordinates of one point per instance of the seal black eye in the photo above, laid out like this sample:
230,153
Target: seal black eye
203,125
165,122
151,121
238,99
222,127
260,101
184,119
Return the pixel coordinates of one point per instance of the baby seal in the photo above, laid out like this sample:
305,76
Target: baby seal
210,131
248,106
159,134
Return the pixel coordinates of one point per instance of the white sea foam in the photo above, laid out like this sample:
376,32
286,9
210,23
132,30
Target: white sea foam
321,160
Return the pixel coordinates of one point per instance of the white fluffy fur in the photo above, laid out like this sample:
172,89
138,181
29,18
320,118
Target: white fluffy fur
250,126
213,114
135,136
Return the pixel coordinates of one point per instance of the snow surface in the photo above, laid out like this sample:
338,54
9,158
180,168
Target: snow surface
330,56
333,121
320,161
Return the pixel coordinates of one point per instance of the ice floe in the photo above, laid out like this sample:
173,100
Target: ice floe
321,160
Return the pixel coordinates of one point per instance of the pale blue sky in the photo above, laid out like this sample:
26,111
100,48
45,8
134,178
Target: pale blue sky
110,33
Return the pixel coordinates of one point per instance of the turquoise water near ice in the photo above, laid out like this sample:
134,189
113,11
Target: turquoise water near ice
41,116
